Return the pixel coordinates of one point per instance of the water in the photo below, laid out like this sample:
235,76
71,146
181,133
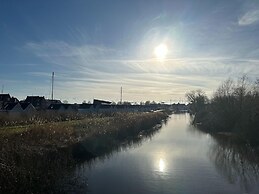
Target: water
177,159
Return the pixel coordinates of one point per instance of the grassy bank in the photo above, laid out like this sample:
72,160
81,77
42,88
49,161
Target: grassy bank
33,157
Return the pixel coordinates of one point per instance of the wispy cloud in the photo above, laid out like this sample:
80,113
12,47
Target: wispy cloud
250,17
92,71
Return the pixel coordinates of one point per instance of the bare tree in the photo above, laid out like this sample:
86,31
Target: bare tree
197,100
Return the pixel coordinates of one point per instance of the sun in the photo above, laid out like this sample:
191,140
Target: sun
161,52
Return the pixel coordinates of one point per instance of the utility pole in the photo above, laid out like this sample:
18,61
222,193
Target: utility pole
121,96
52,87
2,89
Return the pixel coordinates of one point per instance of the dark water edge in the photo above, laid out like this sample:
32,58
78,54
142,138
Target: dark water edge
233,157
239,163
231,149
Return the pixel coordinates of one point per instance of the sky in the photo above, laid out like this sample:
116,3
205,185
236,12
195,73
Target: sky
96,47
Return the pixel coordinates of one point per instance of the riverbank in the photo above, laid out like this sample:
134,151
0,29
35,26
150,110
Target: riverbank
233,110
234,135
34,156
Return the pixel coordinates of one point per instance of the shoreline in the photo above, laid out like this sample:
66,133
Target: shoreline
228,136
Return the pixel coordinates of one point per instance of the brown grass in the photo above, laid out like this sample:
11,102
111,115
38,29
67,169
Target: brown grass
33,157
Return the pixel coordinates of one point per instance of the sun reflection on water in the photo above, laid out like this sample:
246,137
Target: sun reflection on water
161,165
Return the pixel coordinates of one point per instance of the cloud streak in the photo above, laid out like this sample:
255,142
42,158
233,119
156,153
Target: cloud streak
249,18
91,71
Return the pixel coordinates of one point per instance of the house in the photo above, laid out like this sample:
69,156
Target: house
62,107
5,99
39,102
99,102
27,107
49,102
56,107
13,107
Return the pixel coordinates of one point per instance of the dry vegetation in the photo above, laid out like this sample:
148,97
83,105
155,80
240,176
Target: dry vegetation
233,110
33,156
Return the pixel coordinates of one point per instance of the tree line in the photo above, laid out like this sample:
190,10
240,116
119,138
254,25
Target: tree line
233,108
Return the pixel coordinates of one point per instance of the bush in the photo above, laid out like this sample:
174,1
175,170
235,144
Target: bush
233,108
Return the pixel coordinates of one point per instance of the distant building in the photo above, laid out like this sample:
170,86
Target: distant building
49,102
62,107
27,107
56,107
5,99
179,107
39,102
99,102
14,107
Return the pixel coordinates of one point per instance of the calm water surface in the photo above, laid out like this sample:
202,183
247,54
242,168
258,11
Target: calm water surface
177,159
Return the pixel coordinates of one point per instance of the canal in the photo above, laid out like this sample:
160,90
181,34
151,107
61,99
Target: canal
176,159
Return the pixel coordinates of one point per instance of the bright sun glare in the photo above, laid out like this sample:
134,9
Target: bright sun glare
161,165
161,52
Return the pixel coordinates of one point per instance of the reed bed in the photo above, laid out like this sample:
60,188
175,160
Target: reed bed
34,157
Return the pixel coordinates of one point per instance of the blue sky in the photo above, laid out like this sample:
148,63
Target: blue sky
95,47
